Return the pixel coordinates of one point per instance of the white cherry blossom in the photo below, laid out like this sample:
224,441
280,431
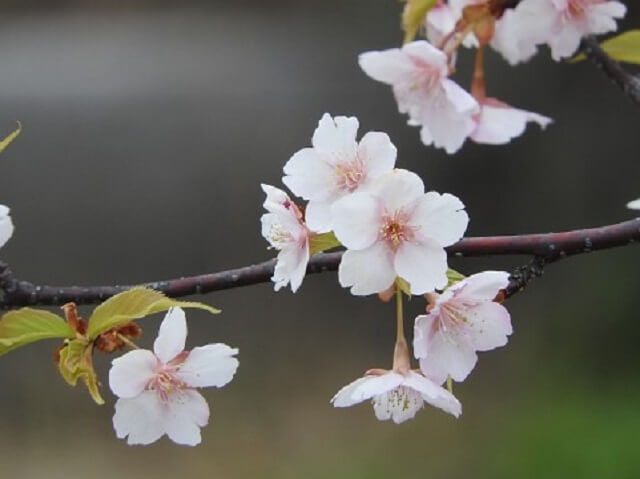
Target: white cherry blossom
397,396
284,229
335,166
498,123
6,225
634,205
418,73
158,390
463,320
511,37
396,230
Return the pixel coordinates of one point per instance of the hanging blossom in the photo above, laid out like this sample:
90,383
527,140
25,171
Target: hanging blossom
634,205
418,73
462,320
6,225
335,166
285,230
441,20
563,23
396,230
158,390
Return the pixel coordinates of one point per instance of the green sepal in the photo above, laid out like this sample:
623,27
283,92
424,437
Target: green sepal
27,325
403,286
133,304
76,362
454,277
323,242
624,48
413,17
12,136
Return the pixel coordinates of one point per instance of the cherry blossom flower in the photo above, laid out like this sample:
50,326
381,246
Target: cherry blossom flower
335,166
395,229
418,73
497,123
463,320
634,205
397,396
563,23
511,38
284,229
6,225
158,390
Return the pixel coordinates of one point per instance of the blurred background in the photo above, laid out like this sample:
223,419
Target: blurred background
148,128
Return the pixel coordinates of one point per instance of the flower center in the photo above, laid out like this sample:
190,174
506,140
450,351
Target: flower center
165,382
395,229
401,403
278,236
349,174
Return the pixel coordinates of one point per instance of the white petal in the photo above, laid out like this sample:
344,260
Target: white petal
461,100
140,418
6,225
489,324
634,205
367,271
482,286
344,397
426,53
512,39
356,220
601,17
565,42
309,176
423,332
131,372
336,137
422,265
434,394
378,153
389,66
185,413
317,215
441,218
399,405
171,336
498,125
397,189
275,198
449,355
212,365
440,22
291,265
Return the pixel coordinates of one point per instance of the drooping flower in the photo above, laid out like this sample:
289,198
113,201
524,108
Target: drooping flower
418,73
563,23
396,230
498,123
634,205
335,166
285,230
464,319
158,390
6,225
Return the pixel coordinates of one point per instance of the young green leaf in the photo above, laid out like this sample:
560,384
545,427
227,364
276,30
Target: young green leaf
134,304
12,136
454,277
624,48
323,242
413,17
27,325
76,362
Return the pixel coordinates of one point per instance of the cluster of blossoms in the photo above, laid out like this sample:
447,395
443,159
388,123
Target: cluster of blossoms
395,236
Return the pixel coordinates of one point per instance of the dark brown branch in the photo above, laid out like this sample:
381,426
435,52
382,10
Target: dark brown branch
629,83
545,248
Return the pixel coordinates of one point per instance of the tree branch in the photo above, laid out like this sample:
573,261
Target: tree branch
545,248
629,83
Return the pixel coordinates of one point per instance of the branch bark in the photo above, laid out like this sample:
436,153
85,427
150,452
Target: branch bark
544,248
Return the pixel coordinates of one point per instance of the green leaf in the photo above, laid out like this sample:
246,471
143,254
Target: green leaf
134,304
76,362
624,48
413,17
323,242
27,325
12,136
454,277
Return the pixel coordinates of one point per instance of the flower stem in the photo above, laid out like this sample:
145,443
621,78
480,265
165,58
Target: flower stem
478,83
401,360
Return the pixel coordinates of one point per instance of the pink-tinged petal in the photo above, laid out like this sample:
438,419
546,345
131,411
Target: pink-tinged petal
482,286
427,56
399,404
378,154
140,418
318,216
461,100
185,413
489,325
440,22
131,372
422,265
344,397
441,218
291,265
356,220
423,333
309,176
171,336
275,200
449,355
397,189
434,394
499,125
367,271
634,205
336,137
212,365
6,225
388,66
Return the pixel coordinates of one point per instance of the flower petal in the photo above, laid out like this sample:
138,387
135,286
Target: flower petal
291,265
336,137
441,218
356,220
388,66
422,265
423,332
378,153
212,365
634,205
171,336
482,286
131,372
434,394
185,413
490,324
366,388
448,356
140,418
308,175
344,397
497,125
367,271
318,216
399,405
6,225
398,189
